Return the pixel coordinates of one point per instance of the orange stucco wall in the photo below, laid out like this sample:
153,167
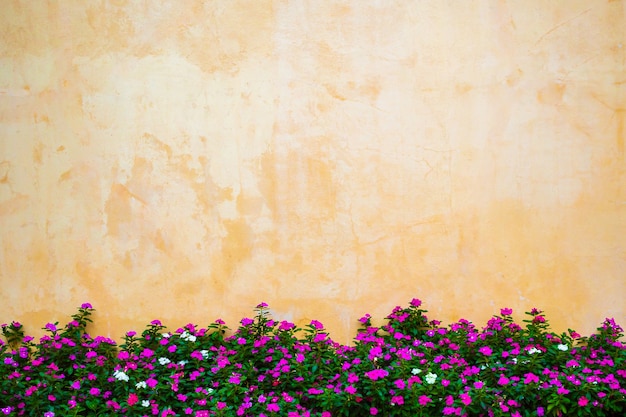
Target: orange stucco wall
186,160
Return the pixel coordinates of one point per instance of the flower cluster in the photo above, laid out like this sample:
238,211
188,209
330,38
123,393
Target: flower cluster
409,366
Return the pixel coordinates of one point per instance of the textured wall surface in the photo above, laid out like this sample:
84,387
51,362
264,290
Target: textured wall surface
186,160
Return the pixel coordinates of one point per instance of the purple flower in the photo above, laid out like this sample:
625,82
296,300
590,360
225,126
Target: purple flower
285,325
376,374
506,311
151,382
246,321
156,323
423,400
273,407
262,305
397,400
86,306
317,324
416,302
485,350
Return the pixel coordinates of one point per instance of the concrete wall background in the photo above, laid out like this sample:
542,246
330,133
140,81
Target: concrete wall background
186,160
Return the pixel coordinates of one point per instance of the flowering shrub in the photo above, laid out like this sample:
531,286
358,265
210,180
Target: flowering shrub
409,366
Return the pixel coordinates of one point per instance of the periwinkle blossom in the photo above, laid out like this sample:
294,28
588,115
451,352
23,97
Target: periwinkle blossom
430,378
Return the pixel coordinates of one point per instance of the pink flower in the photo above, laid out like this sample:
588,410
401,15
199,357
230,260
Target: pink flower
285,325
221,405
397,400
317,325
373,411
416,302
583,401
506,311
132,399
530,378
423,400
466,399
485,350
273,407
376,374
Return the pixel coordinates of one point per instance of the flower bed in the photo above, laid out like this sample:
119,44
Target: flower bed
408,367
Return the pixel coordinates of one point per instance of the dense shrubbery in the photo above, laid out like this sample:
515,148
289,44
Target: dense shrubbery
409,367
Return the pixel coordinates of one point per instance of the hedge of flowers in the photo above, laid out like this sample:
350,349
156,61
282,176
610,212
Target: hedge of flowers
410,366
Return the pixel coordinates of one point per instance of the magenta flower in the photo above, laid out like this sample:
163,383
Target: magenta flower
416,302
246,321
530,378
423,400
376,374
397,400
317,325
485,350
86,306
506,311
583,401
285,325
273,408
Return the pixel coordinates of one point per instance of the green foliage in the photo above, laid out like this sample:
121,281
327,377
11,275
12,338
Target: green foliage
409,366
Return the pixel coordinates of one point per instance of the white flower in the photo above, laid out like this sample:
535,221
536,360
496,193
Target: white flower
430,378
182,363
210,391
120,376
533,350
188,337
145,403
562,347
141,384
166,335
416,371
164,361
514,360
205,354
